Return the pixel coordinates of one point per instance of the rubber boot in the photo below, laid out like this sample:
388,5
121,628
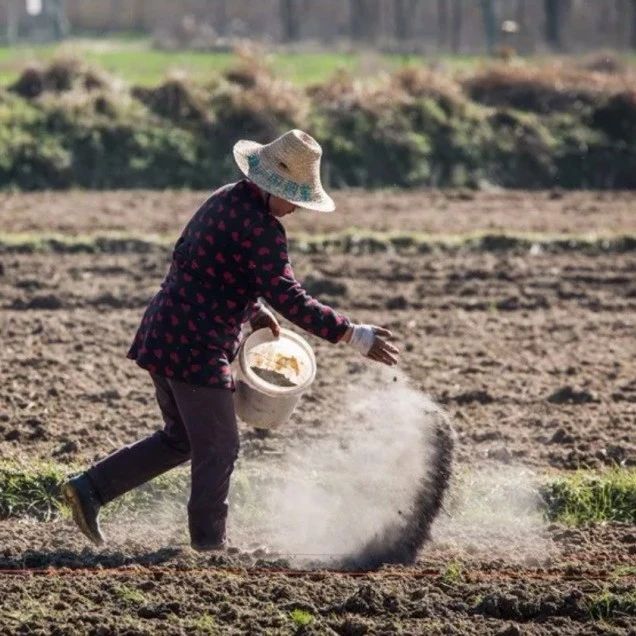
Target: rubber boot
84,503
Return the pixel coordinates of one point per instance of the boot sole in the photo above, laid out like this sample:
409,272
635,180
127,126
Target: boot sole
218,548
72,500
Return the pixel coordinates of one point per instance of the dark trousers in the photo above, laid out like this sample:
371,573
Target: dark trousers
200,425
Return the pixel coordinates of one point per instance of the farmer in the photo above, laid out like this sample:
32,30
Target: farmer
232,252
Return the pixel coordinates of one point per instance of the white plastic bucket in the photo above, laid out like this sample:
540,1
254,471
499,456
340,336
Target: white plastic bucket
263,404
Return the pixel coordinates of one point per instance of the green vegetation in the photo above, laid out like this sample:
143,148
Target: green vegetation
30,491
138,63
69,124
607,605
591,498
129,594
34,492
301,618
205,624
453,573
164,495
573,499
352,241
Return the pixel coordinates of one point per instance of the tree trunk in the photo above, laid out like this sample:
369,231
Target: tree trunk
290,20
621,23
456,28
404,12
13,21
442,24
114,15
364,19
520,15
490,24
138,15
64,25
401,19
556,13
356,11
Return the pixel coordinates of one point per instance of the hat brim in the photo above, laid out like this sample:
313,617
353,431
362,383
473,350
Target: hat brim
244,149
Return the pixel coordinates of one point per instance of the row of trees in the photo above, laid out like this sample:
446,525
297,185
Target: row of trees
455,25
366,16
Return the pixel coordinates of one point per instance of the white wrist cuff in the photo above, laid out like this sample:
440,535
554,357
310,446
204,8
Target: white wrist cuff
362,338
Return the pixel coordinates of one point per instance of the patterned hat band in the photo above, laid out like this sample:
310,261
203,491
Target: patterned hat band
269,166
291,190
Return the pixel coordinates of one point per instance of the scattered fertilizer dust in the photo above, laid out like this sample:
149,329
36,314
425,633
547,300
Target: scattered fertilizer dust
371,494
497,511
360,500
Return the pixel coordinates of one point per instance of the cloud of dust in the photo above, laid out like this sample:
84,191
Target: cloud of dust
366,487
362,495
497,511
330,498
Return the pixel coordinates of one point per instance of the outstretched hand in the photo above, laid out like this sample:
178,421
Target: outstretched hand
382,350
265,319
371,342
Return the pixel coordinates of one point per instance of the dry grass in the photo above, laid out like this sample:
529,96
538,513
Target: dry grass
61,75
545,89
69,125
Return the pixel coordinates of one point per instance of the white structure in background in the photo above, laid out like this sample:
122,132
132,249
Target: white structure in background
34,7
38,20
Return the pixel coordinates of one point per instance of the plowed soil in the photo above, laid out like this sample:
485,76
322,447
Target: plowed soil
533,355
438,212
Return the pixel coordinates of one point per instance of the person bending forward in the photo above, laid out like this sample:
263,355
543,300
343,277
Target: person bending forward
232,252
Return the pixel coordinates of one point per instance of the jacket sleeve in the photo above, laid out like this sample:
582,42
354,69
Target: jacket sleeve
272,277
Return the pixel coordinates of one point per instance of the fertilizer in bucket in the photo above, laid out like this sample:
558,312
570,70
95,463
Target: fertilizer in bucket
261,365
272,374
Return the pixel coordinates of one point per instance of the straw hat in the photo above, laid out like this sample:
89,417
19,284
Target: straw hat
288,168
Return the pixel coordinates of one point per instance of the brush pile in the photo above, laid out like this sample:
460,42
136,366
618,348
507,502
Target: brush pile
69,125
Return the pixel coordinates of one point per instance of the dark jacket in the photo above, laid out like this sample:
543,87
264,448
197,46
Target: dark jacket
232,252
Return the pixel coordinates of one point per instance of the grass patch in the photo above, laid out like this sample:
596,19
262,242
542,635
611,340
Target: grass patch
129,594
350,241
34,491
31,491
624,570
137,62
205,624
592,498
609,605
454,573
164,495
301,617
106,243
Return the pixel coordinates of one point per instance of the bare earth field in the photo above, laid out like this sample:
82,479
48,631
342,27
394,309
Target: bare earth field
531,352
437,212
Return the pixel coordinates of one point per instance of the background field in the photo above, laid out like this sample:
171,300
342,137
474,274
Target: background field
511,313
137,62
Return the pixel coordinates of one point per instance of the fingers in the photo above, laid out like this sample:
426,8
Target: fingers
383,358
266,323
387,346
381,331
383,352
382,345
